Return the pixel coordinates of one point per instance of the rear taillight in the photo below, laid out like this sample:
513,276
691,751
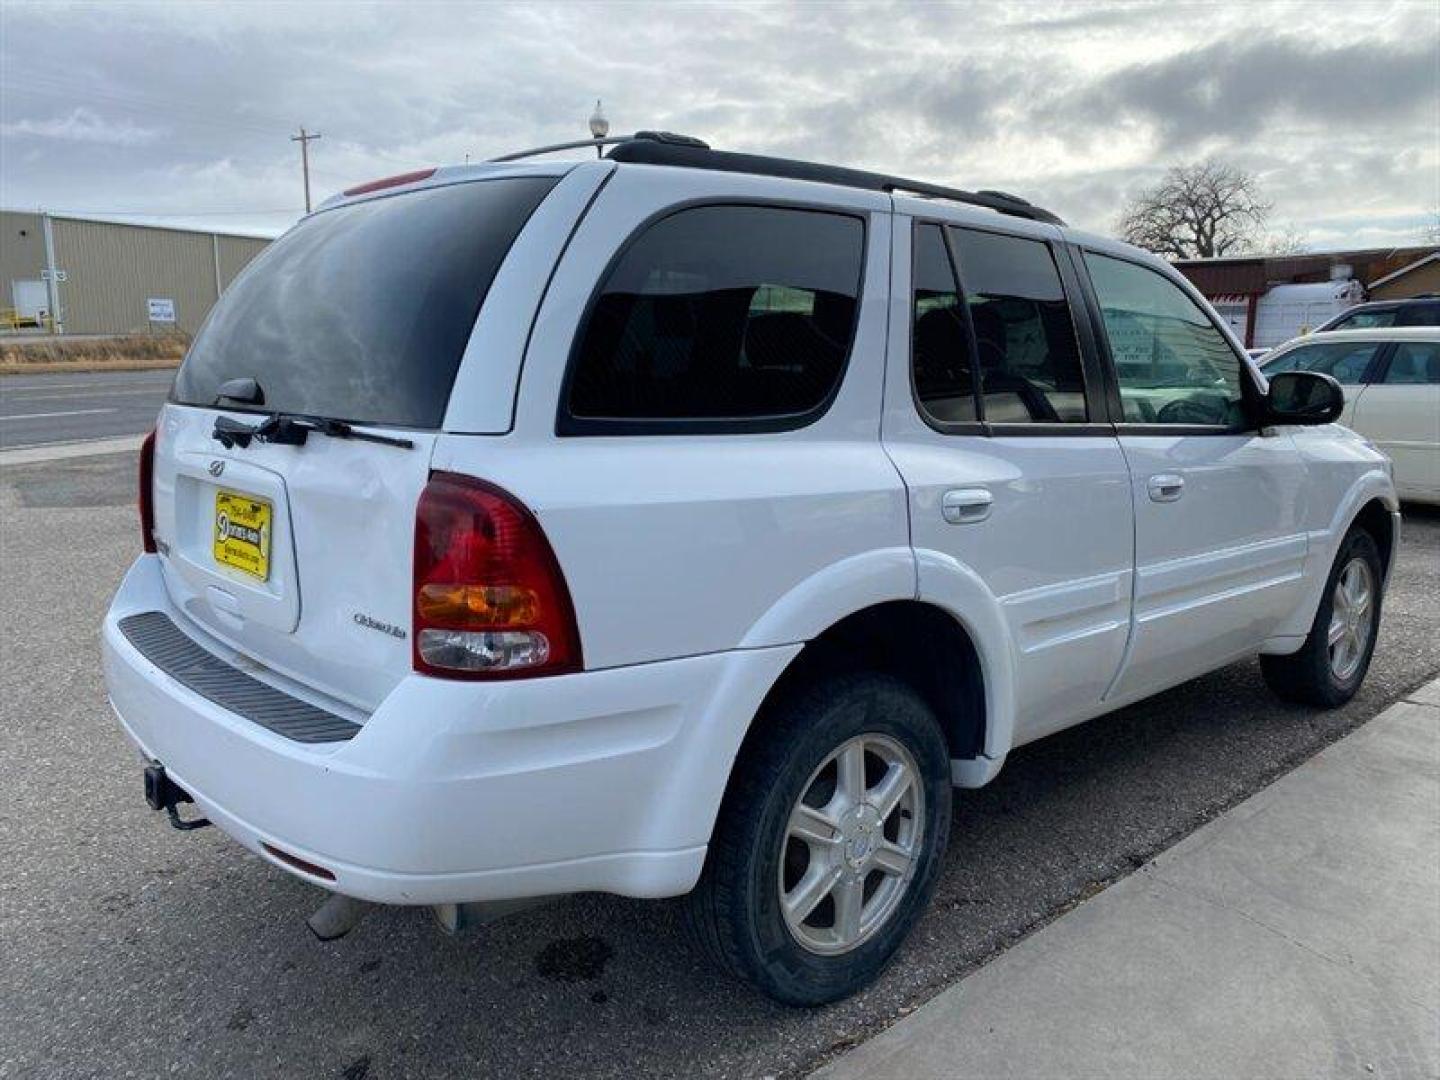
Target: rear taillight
147,493
490,601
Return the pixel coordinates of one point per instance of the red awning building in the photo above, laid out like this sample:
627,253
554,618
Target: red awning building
1237,286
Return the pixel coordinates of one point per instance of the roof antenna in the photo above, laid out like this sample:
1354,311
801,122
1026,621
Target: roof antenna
599,127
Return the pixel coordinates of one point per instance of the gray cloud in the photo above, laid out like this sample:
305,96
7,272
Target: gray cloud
1239,88
187,109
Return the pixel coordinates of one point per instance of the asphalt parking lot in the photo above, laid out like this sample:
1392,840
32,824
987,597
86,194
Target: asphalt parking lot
127,948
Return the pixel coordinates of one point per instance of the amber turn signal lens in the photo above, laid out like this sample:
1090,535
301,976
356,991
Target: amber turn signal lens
478,605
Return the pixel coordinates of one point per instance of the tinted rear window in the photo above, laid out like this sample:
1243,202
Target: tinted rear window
721,314
362,313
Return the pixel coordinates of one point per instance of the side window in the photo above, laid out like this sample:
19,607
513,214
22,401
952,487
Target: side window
1344,361
944,383
1414,363
1371,319
1172,365
1419,315
1029,357
722,313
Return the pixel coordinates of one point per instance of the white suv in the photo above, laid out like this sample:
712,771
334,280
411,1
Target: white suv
688,522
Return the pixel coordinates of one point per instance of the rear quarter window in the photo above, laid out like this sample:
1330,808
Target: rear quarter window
725,317
362,313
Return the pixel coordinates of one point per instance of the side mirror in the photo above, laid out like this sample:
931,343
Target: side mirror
1303,397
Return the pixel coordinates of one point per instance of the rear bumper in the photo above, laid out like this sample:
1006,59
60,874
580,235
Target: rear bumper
454,792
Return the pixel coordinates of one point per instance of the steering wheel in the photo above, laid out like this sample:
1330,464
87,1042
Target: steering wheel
1189,410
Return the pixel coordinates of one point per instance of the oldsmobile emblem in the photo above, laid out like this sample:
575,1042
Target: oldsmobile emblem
371,623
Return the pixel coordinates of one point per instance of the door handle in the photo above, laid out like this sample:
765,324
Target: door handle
965,506
1166,487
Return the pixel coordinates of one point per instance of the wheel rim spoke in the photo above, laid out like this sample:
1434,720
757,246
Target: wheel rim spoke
813,826
817,883
886,795
1337,631
892,859
852,773
849,907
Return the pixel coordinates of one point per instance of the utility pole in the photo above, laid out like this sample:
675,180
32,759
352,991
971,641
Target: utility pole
304,139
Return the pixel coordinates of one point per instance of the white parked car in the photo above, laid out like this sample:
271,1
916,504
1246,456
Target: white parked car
688,522
1392,394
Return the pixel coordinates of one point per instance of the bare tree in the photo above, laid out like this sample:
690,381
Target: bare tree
1432,230
1290,240
1197,211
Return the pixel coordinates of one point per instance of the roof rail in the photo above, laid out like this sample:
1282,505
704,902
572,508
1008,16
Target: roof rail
663,148
668,148
613,140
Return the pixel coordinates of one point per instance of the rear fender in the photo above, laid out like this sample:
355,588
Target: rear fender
951,585
890,574
838,590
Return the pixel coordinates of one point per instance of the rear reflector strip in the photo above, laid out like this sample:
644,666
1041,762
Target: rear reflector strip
166,646
297,863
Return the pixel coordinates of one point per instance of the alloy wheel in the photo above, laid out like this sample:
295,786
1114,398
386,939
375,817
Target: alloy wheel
851,844
1351,619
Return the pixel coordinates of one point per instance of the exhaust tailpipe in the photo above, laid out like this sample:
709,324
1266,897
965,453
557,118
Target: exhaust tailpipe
337,917
458,918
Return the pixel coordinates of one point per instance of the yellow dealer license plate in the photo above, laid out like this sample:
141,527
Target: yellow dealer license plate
242,533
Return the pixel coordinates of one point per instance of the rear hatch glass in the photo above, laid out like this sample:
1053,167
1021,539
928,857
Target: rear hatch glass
361,313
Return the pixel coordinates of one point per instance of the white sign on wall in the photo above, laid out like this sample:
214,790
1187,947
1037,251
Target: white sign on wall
162,309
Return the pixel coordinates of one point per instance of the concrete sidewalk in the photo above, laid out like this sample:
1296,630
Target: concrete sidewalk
1296,935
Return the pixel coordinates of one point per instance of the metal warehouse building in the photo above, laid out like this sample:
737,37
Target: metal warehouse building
105,277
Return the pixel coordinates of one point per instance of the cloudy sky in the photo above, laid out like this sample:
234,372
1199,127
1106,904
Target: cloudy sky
181,112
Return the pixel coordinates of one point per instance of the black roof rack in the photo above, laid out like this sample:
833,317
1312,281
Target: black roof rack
666,148
613,140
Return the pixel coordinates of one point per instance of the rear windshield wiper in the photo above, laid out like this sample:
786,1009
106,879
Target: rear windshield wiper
283,429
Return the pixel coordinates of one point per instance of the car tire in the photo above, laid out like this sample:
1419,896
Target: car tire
770,856
1329,668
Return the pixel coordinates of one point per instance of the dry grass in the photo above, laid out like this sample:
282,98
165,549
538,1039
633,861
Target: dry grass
136,352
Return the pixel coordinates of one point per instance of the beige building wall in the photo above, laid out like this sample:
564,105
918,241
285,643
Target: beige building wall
1423,279
22,251
112,270
235,253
